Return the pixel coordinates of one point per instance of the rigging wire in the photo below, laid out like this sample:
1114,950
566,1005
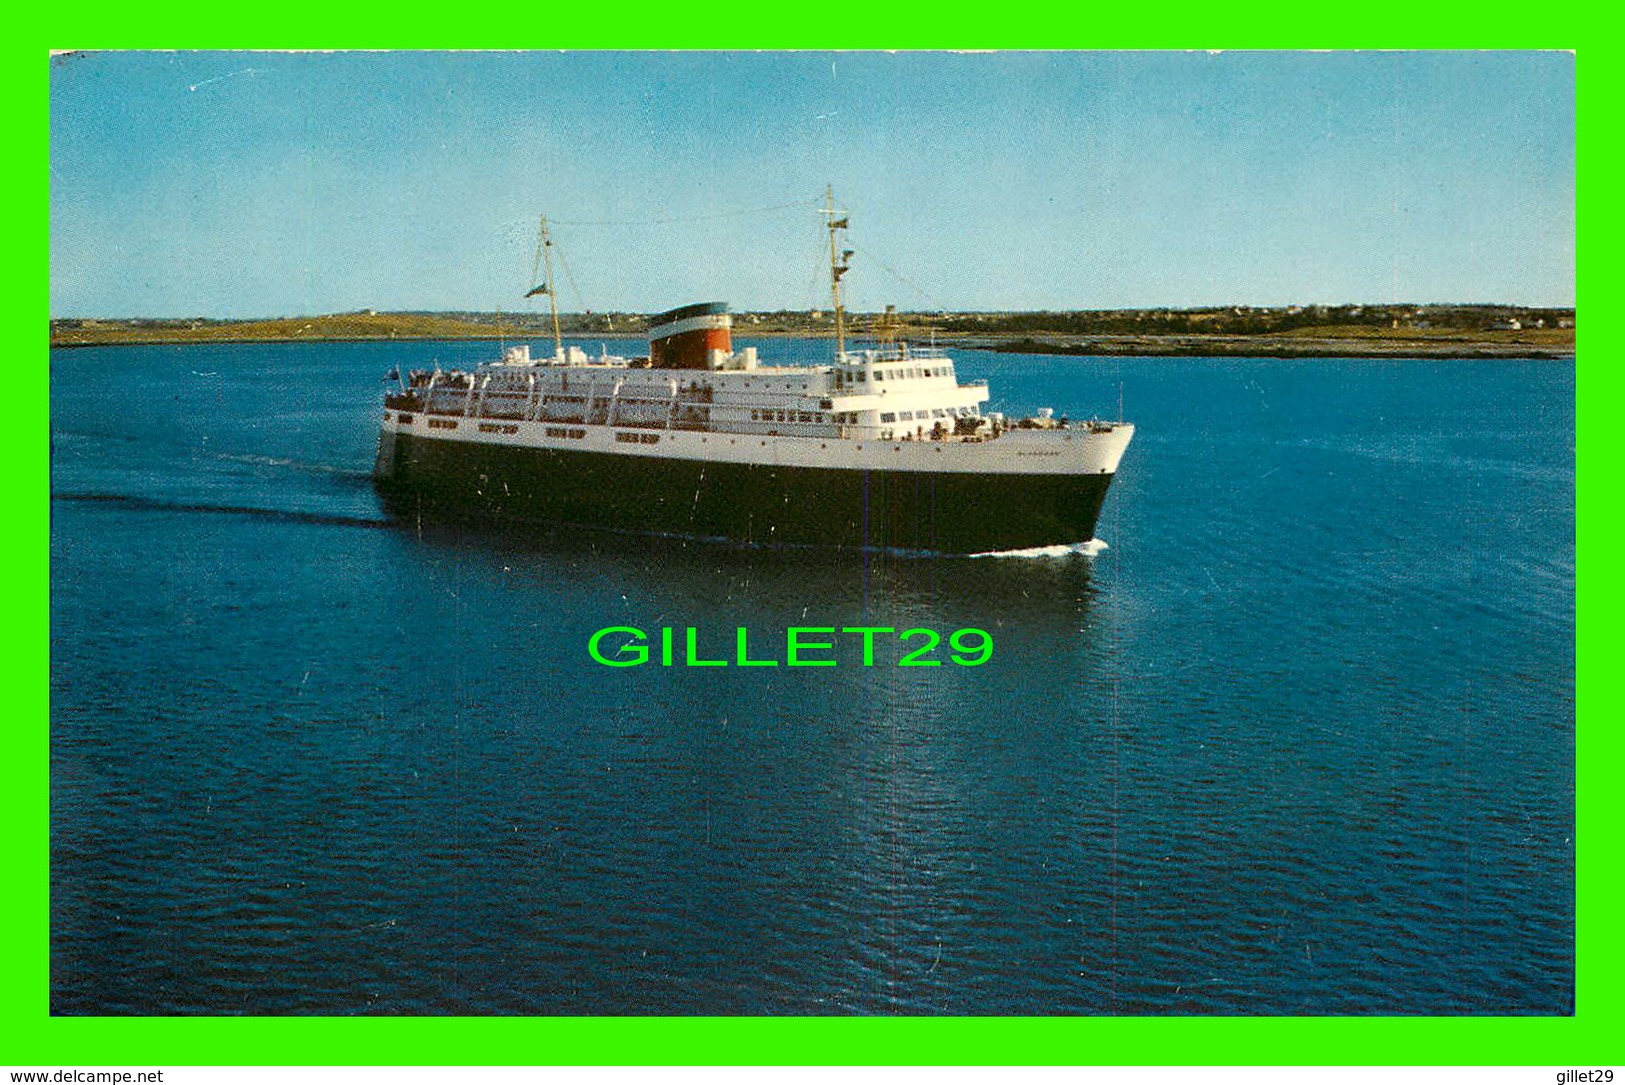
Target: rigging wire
536,265
570,275
899,276
670,220
684,218
923,295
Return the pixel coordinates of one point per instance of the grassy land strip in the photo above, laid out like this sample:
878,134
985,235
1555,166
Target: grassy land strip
1472,334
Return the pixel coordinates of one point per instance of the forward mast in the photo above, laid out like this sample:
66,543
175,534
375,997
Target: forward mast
839,264
544,256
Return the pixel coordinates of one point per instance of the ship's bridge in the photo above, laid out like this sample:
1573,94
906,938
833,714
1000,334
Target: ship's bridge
900,370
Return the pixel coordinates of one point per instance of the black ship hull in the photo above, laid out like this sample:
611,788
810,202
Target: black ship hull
941,512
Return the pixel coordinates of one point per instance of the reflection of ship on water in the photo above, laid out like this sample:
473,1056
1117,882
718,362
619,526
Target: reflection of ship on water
883,447
664,580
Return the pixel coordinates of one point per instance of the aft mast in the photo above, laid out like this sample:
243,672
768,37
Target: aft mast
838,266
544,253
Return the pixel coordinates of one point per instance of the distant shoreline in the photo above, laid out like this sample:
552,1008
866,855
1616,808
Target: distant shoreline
1451,333
1182,346
1186,346
1174,347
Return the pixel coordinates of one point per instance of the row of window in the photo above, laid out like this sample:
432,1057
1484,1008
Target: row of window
637,438
561,431
494,427
788,416
442,423
926,416
899,372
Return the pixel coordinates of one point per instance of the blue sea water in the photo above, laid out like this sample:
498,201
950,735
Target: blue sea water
1299,741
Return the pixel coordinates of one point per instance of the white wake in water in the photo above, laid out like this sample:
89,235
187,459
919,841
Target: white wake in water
1087,549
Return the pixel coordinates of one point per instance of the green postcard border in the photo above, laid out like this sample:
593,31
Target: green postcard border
29,1036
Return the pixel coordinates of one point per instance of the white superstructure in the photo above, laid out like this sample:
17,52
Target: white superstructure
899,408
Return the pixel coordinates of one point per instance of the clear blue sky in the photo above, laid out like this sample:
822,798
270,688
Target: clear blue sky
265,184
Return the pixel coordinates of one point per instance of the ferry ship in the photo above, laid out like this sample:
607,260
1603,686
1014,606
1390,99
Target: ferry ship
883,447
